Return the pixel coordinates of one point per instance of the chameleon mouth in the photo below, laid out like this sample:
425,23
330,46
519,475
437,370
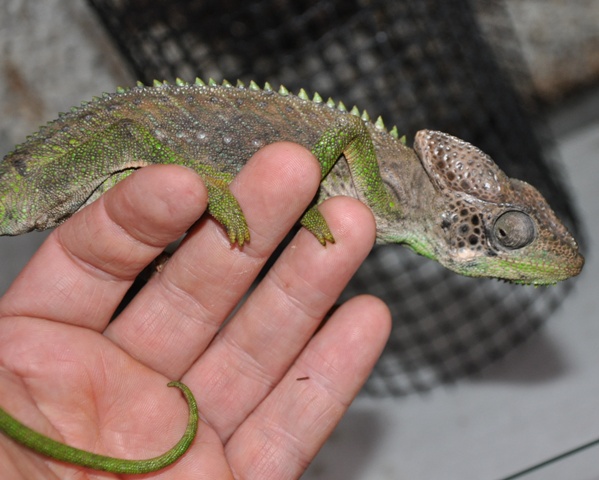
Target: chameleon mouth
524,272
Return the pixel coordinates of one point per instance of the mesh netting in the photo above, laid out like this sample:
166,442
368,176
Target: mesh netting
418,63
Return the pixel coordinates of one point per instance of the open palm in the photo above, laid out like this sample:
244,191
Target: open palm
269,389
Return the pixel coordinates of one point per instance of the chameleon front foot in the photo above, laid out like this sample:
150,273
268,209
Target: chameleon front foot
225,209
317,225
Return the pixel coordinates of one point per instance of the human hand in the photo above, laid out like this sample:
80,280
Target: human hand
269,389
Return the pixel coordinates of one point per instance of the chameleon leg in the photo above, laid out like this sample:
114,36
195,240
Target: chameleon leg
126,145
64,453
315,223
351,139
223,206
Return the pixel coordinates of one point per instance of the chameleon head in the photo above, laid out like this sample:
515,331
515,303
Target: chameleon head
491,225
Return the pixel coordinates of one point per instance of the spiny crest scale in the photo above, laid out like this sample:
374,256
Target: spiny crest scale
303,95
178,82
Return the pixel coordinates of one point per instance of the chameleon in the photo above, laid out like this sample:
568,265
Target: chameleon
444,198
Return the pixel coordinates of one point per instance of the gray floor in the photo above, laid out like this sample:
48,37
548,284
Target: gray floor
537,403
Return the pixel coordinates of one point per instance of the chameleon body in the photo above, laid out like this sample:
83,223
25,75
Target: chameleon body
445,199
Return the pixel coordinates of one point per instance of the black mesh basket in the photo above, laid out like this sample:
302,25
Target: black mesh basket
419,64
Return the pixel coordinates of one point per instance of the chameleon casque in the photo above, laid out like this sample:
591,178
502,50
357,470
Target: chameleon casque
445,199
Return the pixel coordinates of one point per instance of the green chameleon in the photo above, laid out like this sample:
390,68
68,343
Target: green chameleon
445,199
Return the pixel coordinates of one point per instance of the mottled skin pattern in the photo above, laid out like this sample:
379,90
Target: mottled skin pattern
487,214
444,199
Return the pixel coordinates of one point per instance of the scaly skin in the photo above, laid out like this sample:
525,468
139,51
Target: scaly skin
444,199
59,451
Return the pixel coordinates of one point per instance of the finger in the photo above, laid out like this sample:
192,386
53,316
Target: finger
257,346
172,320
284,433
80,274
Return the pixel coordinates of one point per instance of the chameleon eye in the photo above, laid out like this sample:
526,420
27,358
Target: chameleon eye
514,230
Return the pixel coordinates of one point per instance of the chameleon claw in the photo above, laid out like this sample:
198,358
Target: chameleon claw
239,236
317,225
